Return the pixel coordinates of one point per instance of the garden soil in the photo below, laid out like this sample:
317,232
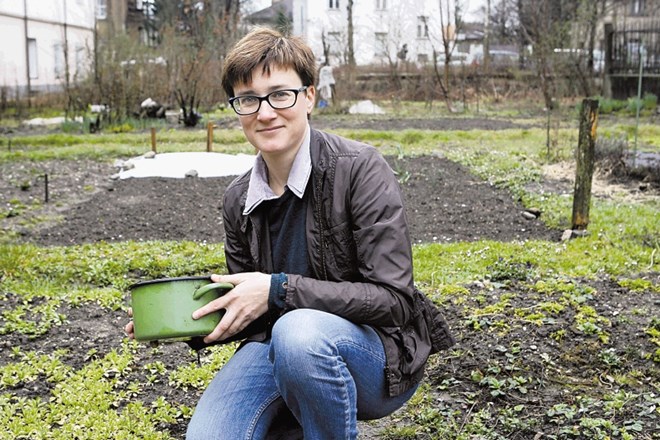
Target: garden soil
445,203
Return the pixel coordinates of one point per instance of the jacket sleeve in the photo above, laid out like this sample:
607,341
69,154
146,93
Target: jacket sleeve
367,245
237,247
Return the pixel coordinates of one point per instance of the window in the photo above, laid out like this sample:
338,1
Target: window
381,44
381,4
33,67
637,7
101,9
58,52
335,43
138,5
423,58
422,27
333,4
80,59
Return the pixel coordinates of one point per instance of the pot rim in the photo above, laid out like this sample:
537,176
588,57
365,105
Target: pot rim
167,280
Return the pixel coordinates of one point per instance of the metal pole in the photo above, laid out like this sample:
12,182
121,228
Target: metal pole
27,52
547,133
642,52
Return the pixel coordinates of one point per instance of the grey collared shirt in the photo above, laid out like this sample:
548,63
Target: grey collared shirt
259,190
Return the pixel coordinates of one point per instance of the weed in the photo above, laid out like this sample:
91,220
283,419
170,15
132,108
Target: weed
193,376
402,174
611,359
503,270
638,285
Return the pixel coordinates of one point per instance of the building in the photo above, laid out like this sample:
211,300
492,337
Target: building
384,31
45,43
630,32
280,13
122,16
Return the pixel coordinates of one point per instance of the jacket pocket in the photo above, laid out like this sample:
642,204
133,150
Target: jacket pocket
340,251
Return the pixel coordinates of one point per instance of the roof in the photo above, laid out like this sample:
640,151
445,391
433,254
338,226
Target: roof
271,13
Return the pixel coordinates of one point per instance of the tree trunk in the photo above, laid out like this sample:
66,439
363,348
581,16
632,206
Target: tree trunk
351,48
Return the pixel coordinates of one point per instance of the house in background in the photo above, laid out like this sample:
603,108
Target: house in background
631,39
278,15
384,31
42,42
116,17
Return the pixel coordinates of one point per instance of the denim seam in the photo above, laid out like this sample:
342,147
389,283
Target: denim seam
345,396
258,414
363,347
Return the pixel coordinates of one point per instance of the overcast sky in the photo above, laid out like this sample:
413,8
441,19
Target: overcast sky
475,9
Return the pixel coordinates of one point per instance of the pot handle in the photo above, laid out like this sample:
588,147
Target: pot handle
197,294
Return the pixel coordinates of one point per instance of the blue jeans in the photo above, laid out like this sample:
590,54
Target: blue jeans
316,376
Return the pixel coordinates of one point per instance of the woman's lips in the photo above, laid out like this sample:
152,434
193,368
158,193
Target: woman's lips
269,129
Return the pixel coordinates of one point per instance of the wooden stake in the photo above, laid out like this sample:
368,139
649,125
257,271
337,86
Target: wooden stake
584,169
209,137
46,188
153,139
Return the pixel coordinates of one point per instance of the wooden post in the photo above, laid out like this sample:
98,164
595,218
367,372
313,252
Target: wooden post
584,168
209,137
153,139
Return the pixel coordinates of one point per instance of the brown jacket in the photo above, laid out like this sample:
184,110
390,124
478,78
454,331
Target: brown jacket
359,252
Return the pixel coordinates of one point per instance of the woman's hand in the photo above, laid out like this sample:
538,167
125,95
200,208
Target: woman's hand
247,301
129,328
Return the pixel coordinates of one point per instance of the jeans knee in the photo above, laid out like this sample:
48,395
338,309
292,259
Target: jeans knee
298,328
298,336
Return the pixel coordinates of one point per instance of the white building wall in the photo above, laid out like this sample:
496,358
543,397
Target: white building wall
379,32
52,25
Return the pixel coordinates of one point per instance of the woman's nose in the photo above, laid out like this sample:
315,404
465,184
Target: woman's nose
266,111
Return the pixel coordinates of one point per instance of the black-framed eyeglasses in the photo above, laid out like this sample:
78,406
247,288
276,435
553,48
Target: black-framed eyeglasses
279,100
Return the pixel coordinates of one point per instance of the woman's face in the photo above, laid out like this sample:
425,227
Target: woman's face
272,131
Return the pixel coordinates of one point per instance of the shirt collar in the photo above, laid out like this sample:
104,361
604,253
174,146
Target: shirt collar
258,189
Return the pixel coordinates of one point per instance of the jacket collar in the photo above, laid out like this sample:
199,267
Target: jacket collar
258,189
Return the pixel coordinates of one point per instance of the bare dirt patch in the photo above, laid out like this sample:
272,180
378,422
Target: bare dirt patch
444,203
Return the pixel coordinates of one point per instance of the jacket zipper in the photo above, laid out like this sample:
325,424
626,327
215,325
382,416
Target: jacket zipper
319,215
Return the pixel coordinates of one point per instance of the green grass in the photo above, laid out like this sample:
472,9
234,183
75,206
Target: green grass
103,400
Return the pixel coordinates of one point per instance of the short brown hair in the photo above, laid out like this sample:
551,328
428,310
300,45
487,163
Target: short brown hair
267,48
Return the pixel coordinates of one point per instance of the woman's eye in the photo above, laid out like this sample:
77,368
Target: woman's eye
248,100
282,94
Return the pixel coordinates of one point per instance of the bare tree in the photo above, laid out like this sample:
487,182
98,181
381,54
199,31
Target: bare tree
544,25
487,36
351,47
181,62
197,37
451,23
125,75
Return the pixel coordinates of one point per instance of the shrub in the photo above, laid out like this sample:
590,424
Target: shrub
608,105
648,102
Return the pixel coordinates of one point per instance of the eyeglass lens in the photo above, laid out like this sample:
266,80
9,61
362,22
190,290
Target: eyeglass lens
279,99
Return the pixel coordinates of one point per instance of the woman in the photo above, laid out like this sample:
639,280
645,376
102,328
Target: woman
318,249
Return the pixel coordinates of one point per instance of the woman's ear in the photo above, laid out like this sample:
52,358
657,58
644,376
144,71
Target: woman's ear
310,97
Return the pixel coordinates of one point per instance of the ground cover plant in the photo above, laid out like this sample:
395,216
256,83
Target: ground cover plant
556,339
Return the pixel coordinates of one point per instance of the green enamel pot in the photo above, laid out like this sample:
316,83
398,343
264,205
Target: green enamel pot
162,308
